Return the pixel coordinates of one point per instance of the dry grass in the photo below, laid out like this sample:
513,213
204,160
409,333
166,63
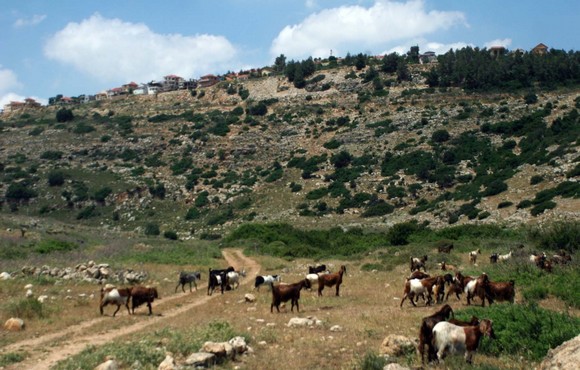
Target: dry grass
367,310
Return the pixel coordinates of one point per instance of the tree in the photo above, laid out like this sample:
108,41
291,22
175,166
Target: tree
280,63
402,71
56,178
360,62
390,63
413,54
64,115
299,81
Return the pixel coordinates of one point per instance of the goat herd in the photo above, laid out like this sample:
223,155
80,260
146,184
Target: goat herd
443,335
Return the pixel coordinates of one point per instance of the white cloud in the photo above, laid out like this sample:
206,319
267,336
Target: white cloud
361,28
498,42
31,21
115,51
8,80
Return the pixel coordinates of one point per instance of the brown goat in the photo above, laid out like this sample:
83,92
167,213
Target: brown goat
447,267
112,295
454,288
426,331
330,280
497,291
285,292
143,295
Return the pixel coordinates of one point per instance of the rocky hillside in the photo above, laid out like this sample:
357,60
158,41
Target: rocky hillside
340,152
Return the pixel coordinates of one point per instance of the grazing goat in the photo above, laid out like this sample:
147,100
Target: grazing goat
141,295
313,278
217,278
330,280
473,256
188,278
445,248
446,267
267,280
316,269
426,331
562,258
417,263
493,258
233,279
450,338
505,257
454,288
473,288
283,293
417,287
112,295
497,291
418,275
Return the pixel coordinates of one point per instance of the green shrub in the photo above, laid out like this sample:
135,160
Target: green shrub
56,178
87,212
540,208
152,229
64,115
440,136
526,203
504,204
536,179
51,155
46,246
12,358
558,235
523,330
380,208
170,234
26,308
372,361
399,234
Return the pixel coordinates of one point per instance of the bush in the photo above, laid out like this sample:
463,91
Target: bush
171,235
26,308
56,178
440,136
559,235
51,155
87,212
527,331
152,229
504,204
536,179
64,115
51,245
399,234
540,208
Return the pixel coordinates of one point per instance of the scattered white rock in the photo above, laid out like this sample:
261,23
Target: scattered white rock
396,345
5,276
168,363
336,328
28,287
110,364
42,298
250,298
29,293
201,359
303,321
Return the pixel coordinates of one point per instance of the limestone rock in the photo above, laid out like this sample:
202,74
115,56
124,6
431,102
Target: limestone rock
565,356
14,324
203,359
303,321
5,276
239,344
167,364
396,345
221,349
250,298
395,366
110,364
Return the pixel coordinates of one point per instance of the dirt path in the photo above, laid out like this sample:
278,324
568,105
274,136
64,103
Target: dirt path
44,354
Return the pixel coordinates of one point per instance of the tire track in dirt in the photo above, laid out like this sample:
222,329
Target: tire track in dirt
43,355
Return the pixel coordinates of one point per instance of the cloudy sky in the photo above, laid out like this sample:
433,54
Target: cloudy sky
83,47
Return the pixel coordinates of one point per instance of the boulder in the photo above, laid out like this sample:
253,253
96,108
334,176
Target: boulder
563,357
5,276
201,359
220,349
250,298
14,324
396,345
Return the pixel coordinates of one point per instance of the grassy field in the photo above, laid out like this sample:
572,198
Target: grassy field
367,310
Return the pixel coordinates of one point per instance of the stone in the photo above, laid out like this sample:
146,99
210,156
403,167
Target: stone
14,324
220,349
108,365
396,345
5,276
202,359
250,298
395,366
239,344
303,321
336,328
565,356
167,364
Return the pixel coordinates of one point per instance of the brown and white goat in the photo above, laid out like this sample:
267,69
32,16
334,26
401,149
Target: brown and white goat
473,256
287,292
143,295
449,338
418,275
330,280
416,287
426,331
115,296
497,291
417,263
473,322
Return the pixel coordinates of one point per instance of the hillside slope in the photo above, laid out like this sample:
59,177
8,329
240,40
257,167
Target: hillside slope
338,152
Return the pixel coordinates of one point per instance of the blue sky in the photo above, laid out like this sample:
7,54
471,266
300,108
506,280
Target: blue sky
83,47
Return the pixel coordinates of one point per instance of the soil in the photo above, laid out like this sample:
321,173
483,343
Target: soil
47,350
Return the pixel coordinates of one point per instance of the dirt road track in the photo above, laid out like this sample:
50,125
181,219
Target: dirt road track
44,355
